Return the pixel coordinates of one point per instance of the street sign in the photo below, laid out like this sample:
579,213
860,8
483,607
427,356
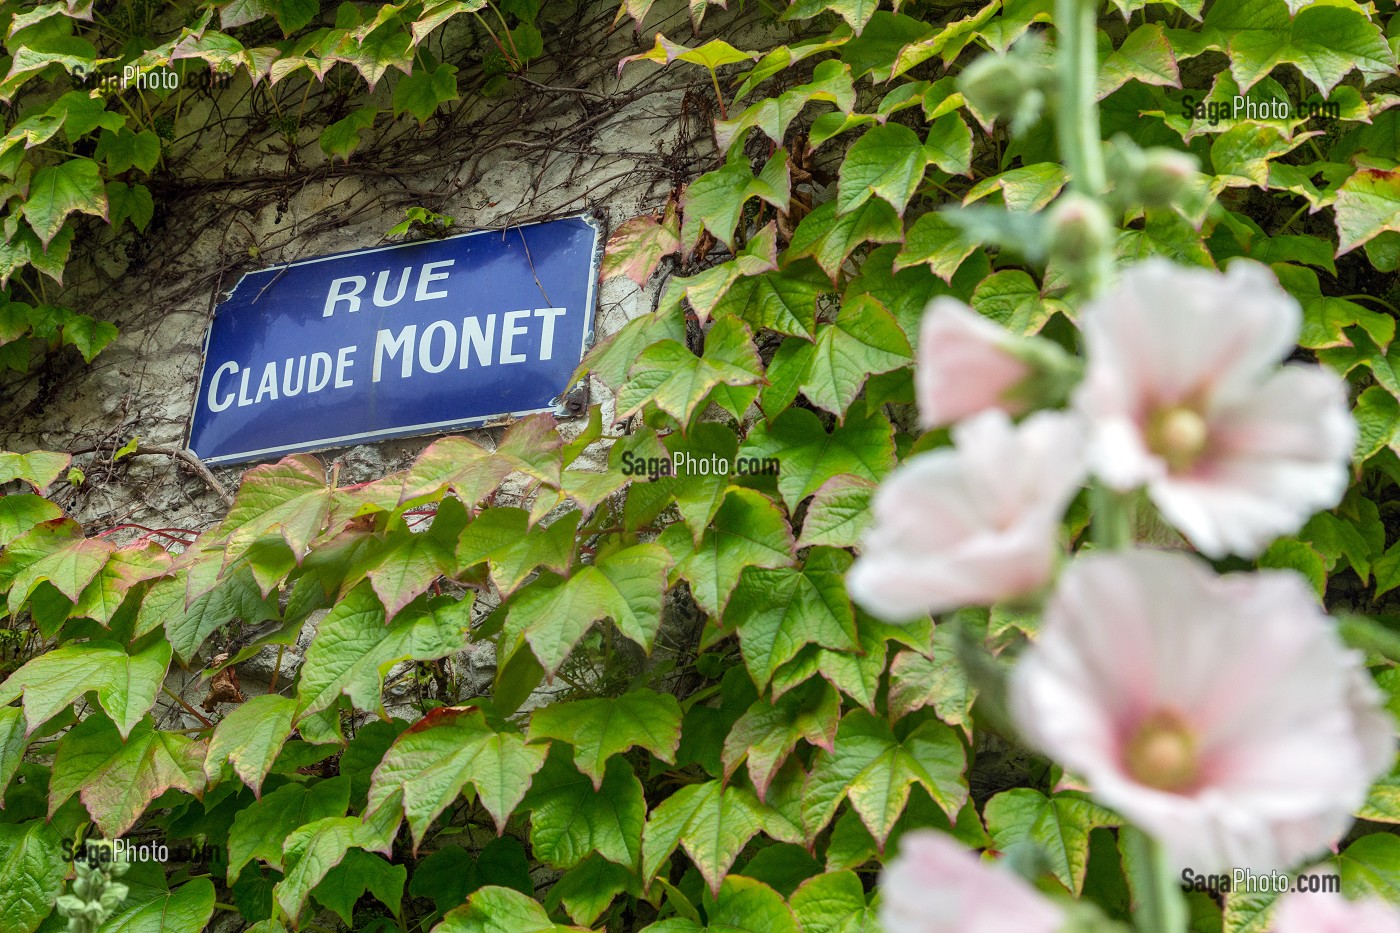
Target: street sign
412,339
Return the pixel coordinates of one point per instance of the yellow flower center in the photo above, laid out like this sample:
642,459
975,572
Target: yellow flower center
1162,753
1178,435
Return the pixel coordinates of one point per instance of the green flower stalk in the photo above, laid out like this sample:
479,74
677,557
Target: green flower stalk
96,895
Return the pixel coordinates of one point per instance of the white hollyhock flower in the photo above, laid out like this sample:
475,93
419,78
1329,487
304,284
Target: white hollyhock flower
1331,913
1185,395
971,524
1220,714
965,365
935,885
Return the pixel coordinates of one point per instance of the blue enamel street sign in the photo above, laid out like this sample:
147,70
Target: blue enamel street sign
411,339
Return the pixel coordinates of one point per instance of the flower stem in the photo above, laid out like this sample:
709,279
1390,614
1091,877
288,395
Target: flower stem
1159,905
1112,527
1076,22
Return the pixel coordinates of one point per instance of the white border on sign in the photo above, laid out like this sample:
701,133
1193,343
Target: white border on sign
595,265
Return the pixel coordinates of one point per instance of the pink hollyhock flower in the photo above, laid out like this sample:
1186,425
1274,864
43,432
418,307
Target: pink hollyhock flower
965,365
971,524
935,885
1331,913
1220,714
1185,395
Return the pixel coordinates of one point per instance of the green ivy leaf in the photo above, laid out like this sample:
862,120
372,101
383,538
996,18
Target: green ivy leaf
1377,415
250,738
236,596
423,91
412,560
1324,317
117,779
588,889
716,199
70,568
311,851
874,770
606,726
38,468
699,496
440,754
188,907
290,497
712,822
855,12
126,685
887,162
500,910
1368,204
863,341
1325,41
831,82
503,537
343,136
124,569
1058,825
32,870
1145,56
88,335
808,455
830,239
834,903
455,463
357,874
1029,188
1370,866
1012,299
767,732
785,302
569,820
1299,556
627,586
259,830
705,290
949,145
748,531
125,150
354,648
677,381
838,513
778,611
20,513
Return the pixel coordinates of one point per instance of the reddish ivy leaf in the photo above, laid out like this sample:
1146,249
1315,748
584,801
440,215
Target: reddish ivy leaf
116,779
637,247
439,755
290,497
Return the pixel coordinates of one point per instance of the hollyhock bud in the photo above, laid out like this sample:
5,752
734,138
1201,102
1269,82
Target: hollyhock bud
994,84
1184,395
1165,175
935,885
1222,715
976,523
1079,230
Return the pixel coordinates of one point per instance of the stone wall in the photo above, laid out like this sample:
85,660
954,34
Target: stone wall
238,192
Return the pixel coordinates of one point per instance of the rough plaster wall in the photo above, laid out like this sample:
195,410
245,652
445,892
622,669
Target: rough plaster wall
569,135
